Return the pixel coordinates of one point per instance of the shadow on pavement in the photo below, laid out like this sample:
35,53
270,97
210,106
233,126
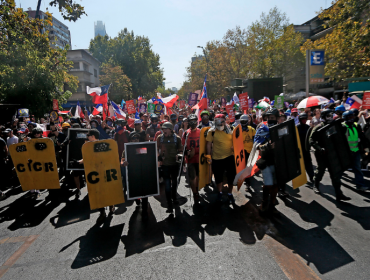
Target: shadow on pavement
314,245
143,234
97,245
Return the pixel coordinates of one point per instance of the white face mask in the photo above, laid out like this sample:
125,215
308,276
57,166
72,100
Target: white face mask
221,127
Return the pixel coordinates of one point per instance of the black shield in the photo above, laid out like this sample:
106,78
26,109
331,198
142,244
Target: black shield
77,137
334,141
287,164
142,170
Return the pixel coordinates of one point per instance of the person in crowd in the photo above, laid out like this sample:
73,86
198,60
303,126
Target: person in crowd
294,116
316,119
192,138
173,119
178,125
205,122
145,122
357,143
339,110
122,135
303,129
138,129
12,139
153,128
220,154
282,118
237,118
169,145
322,159
248,133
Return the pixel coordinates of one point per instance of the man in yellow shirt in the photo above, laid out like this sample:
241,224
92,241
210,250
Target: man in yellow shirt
248,135
222,158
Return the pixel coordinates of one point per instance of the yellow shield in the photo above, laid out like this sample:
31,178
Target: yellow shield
238,144
301,179
35,163
205,173
103,173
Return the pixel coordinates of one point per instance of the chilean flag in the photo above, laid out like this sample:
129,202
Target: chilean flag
202,105
118,111
78,113
353,102
99,94
98,109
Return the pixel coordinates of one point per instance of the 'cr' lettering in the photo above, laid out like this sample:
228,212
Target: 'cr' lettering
112,173
90,177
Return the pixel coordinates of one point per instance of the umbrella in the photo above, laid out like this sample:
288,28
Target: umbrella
312,101
262,105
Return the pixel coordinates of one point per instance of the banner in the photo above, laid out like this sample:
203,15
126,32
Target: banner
243,101
286,104
158,109
54,116
151,108
279,102
23,113
131,108
193,98
230,112
250,102
217,101
55,105
135,102
366,100
142,108
182,104
223,101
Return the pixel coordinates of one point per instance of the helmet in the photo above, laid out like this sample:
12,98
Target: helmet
273,111
185,120
73,120
181,117
137,121
173,117
326,112
220,116
294,110
36,130
303,116
347,114
340,108
167,125
244,119
33,124
66,125
192,117
204,112
153,117
355,112
238,115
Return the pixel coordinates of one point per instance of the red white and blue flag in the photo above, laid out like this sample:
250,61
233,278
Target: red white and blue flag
78,113
202,105
353,102
99,94
118,111
98,109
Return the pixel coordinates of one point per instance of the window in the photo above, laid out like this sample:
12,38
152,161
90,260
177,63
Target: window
86,67
95,73
76,65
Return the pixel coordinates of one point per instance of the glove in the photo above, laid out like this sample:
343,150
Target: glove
209,158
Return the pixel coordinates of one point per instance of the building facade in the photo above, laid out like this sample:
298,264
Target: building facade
86,69
59,34
99,29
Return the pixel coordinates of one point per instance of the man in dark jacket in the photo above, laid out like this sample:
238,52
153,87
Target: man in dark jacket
303,129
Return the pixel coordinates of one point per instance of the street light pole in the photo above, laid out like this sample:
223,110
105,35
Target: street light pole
38,9
205,55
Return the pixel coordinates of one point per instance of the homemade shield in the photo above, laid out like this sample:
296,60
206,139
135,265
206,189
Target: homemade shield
205,173
142,170
77,137
286,152
182,160
301,179
35,163
103,173
334,141
238,144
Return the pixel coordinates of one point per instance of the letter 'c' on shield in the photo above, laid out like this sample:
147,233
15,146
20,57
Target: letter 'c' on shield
90,177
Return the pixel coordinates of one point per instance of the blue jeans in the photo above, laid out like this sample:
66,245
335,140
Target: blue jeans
268,174
356,167
170,173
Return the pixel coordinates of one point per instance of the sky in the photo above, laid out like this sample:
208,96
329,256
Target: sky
175,27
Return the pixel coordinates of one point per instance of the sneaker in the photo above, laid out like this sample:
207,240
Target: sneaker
219,197
342,197
231,198
316,189
101,218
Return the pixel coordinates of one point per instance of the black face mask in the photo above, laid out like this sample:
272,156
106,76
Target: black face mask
193,124
271,122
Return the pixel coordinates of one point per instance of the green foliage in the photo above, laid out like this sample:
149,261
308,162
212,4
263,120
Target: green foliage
120,83
347,44
133,54
268,48
69,9
31,72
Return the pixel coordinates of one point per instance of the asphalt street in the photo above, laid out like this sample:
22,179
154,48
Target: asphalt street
314,237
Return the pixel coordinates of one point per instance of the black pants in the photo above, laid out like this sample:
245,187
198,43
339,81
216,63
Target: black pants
308,164
170,173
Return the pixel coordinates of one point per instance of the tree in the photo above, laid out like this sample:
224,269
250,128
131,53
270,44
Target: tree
121,85
347,46
135,57
31,72
69,9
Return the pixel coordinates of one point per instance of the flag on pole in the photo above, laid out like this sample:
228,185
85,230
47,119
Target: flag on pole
235,98
352,102
202,104
99,94
118,111
98,109
88,113
78,113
